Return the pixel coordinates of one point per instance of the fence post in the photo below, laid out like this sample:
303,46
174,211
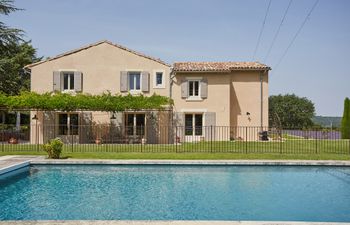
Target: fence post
3,137
71,134
176,139
211,138
246,140
280,138
316,139
142,138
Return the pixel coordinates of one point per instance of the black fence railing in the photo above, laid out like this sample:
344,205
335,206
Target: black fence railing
175,139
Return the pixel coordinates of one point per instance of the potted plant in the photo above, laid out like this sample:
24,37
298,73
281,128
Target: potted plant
13,140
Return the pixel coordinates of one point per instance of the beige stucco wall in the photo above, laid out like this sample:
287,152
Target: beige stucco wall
218,99
230,96
101,66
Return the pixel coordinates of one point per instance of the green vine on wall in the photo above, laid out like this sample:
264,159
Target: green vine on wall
85,102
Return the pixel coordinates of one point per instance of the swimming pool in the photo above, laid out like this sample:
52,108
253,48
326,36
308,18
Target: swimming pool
175,192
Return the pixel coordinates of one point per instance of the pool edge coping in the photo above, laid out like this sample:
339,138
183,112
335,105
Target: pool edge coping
161,222
190,162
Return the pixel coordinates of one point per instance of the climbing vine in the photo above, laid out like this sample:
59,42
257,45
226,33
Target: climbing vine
69,102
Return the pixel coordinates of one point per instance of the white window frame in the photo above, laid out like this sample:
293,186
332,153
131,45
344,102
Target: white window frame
193,114
194,97
70,74
135,91
67,71
155,85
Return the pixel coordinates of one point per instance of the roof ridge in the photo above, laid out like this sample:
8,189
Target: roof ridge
93,45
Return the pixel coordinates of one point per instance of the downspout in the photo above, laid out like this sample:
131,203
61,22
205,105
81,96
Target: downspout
261,100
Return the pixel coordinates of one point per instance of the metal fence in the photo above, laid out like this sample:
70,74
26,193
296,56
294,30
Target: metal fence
175,139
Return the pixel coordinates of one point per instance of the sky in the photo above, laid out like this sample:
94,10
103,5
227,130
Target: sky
315,65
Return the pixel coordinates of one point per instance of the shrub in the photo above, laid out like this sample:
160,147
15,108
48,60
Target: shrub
54,148
345,123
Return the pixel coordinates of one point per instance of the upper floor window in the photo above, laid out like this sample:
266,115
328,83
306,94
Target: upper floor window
159,79
68,81
134,81
193,88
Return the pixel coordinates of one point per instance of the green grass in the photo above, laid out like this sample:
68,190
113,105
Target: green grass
289,149
188,156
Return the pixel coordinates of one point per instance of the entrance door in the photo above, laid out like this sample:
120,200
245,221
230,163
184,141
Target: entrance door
193,127
135,124
68,129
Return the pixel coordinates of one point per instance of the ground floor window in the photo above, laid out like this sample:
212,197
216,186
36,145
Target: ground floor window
68,124
194,124
135,124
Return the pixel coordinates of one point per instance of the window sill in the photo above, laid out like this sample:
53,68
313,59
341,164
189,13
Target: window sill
194,99
135,92
159,87
69,91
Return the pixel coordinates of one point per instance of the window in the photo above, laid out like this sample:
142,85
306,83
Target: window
68,124
194,124
135,124
68,81
159,79
193,88
135,81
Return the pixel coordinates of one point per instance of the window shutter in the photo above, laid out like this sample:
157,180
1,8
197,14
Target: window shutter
78,81
123,81
56,81
204,88
145,81
210,125
184,89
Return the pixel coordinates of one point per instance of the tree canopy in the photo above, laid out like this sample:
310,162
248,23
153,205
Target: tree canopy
80,101
345,123
8,35
290,111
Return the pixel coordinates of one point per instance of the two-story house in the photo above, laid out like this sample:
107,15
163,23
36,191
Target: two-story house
205,95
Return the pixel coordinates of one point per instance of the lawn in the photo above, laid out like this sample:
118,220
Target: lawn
288,149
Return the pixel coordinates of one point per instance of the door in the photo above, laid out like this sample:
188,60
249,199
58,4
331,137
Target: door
68,127
135,125
193,127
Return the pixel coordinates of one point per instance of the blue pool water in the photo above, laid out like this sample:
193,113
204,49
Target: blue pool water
297,193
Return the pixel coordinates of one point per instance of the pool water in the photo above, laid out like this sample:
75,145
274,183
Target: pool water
109,192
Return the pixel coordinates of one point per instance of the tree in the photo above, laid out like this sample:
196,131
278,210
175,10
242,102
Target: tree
345,123
13,79
8,35
290,111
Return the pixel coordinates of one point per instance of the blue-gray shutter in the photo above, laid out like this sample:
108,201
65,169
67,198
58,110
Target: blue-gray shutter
210,125
56,81
123,81
204,88
184,89
78,81
145,81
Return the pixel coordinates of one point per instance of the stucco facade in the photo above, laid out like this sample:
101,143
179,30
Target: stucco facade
229,97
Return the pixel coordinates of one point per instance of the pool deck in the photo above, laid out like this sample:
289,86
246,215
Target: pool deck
13,162
121,222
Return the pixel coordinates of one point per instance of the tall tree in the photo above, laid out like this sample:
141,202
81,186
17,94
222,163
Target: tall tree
345,123
290,111
7,34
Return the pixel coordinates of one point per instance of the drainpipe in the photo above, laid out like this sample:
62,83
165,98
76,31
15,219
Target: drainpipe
261,100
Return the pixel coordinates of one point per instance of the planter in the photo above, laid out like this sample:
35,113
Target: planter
13,141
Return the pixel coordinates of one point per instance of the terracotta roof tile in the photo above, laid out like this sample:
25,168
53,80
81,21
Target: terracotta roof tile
218,66
95,44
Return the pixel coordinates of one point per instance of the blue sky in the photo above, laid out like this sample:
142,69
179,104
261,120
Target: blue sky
209,30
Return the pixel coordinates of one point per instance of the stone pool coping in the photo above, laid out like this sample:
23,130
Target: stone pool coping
192,162
152,222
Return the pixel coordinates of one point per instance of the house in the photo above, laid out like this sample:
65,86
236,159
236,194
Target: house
205,94
227,95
